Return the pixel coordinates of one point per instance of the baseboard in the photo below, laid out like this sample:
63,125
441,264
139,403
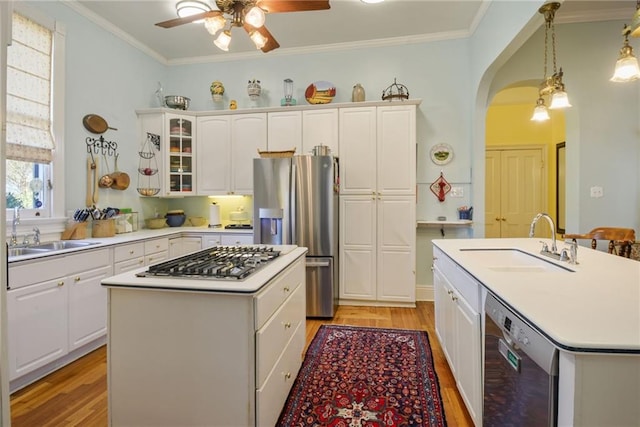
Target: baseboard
373,303
424,293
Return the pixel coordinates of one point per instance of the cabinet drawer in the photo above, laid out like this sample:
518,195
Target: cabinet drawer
271,397
157,257
127,252
276,333
268,300
88,260
121,267
462,281
236,239
156,245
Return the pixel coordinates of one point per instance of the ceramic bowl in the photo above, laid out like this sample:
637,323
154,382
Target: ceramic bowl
155,223
176,220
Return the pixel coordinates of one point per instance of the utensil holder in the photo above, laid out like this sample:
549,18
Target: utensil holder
103,228
76,231
465,213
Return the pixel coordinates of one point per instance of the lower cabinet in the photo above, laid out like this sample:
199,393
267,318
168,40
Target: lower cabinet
179,246
459,329
55,307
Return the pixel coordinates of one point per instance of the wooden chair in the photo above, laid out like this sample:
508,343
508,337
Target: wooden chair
623,236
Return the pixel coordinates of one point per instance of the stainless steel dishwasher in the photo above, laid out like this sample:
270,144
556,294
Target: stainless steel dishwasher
520,371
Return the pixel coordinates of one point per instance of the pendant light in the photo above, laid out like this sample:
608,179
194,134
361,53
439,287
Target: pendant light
553,85
223,40
627,69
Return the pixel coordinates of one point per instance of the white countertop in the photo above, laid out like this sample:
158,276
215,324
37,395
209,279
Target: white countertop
597,306
142,234
255,281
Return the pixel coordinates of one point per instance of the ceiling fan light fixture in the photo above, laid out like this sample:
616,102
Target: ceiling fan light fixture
258,39
255,17
186,8
540,113
214,24
223,40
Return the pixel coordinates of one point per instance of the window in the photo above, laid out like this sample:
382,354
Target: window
33,152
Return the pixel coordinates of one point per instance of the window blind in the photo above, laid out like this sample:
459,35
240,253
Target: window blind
29,136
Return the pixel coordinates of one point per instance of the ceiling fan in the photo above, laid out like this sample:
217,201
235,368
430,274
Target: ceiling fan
249,14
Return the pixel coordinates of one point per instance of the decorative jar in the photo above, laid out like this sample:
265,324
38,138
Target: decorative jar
357,95
217,91
254,89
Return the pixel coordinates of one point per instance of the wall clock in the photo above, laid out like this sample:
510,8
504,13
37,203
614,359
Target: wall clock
441,154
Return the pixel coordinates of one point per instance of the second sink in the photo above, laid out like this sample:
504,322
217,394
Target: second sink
513,261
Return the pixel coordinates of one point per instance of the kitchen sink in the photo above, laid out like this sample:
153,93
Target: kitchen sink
63,244
514,261
13,252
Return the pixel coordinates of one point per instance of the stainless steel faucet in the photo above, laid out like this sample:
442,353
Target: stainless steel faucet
36,235
554,247
14,226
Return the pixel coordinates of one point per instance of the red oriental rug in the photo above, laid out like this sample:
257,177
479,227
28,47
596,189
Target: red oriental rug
369,377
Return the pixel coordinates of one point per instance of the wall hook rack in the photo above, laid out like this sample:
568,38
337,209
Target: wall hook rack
101,146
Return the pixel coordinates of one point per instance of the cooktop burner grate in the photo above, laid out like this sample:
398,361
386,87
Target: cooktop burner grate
217,262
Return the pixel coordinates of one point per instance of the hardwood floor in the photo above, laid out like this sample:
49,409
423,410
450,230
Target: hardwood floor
76,395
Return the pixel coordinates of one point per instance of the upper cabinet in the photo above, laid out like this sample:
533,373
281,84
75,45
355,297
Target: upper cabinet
228,145
173,151
303,130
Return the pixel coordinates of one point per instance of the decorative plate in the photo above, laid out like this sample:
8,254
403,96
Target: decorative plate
441,154
320,92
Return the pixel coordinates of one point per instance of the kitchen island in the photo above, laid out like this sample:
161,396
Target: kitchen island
187,351
590,311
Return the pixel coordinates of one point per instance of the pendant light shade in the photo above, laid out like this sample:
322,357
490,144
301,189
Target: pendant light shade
214,24
540,113
258,39
223,40
559,99
627,65
255,17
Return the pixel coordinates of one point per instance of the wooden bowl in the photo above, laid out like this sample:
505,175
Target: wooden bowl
154,223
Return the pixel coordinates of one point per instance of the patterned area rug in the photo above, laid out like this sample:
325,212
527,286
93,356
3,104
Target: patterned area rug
369,377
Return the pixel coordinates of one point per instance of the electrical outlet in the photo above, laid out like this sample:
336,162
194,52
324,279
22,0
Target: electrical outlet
597,192
456,192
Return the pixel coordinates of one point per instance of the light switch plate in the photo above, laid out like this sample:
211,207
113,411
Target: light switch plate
457,192
597,192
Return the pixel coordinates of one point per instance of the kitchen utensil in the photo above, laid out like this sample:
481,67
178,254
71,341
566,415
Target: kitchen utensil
321,150
95,124
105,180
92,181
121,180
177,102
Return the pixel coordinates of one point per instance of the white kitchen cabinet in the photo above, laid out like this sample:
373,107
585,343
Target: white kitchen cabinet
285,131
156,250
236,239
459,329
56,311
179,246
320,127
128,257
303,130
177,152
229,143
377,204
377,235
209,240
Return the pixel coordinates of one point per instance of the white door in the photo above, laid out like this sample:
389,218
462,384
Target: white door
248,135
514,182
213,158
357,150
320,127
396,150
396,278
285,131
87,306
358,247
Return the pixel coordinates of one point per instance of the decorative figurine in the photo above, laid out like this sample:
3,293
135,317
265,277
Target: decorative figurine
217,90
233,105
254,89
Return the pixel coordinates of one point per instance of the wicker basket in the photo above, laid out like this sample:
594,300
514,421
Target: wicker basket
276,154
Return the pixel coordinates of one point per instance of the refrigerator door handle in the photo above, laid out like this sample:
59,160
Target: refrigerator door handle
318,264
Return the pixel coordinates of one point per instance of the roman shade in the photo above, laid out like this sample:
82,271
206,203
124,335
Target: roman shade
29,136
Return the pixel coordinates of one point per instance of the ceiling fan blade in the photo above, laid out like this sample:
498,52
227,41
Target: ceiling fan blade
271,41
188,19
278,6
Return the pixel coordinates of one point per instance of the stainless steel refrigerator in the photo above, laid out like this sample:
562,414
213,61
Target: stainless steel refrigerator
295,201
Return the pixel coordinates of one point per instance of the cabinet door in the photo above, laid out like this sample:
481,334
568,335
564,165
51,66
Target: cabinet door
37,326
468,356
358,246
320,127
175,247
285,131
87,307
248,135
181,153
214,155
396,161
357,150
209,240
191,244
396,235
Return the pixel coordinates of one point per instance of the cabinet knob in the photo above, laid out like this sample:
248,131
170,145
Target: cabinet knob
76,279
287,375
286,289
140,261
61,283
503,219
432,268
497,219
287,325
454,298
131,252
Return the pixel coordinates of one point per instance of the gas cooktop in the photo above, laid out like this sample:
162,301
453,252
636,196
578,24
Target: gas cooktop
216,262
